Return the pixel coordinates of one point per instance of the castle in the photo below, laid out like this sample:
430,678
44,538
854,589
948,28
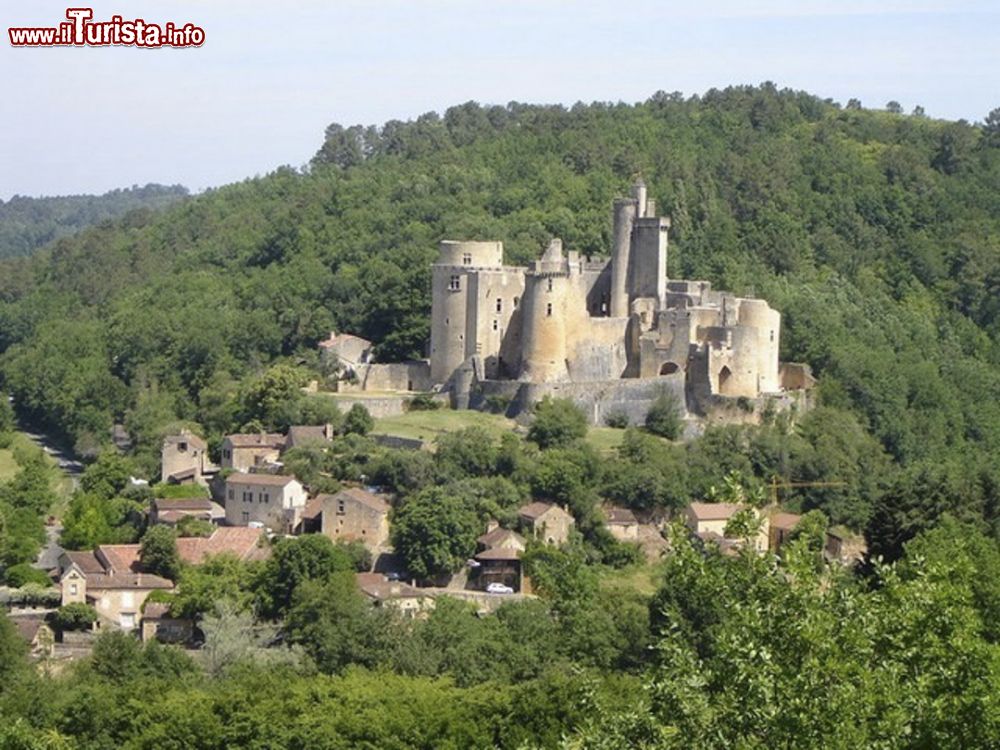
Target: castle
609,334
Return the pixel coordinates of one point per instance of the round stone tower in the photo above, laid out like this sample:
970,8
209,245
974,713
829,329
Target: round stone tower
757,314
544,323
451,280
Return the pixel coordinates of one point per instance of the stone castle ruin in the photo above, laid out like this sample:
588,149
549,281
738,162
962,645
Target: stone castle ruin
610,334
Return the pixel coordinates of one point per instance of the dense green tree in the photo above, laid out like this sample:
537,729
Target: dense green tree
158,552
294,561
435,532
74,616
557,423
358,421
664,417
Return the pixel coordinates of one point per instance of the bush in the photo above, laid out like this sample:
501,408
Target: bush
664,417
75,616
423,402
23,574
358,421
558,422
497,404
617,419
191,526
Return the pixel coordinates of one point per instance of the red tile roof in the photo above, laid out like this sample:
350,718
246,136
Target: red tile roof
101,582
786,521
182,503
121,558
240,541
714,511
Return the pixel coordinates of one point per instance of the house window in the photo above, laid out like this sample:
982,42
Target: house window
127,621
267,497
499,304
226,453
232,494
246,517
548,310
128,599
341,507
455,283
467,259
182,447
73,589
496,325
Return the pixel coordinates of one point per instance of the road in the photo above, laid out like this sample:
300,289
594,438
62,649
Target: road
68,464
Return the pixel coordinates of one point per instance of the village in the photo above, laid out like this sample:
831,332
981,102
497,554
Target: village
237,508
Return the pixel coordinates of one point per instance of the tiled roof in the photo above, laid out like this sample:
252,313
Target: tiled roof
358,495
535,510
121,558
714,511
499,553
313,508
155,610
380,589
85,561
183,503
241,541
27,627
101,582
269,480
618,515
498,536
186,437
256,440
787,521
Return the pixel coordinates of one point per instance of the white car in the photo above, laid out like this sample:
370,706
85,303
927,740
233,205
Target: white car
499,588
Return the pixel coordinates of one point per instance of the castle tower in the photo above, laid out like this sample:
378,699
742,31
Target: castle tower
625,212
544,323
454,302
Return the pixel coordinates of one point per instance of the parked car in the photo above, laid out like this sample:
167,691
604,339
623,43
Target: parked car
499,588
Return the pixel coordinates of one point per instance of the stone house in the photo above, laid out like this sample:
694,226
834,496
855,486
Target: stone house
781,527
408,600
299,435
157,624
272,500
708,521
622,524
170,511
110,580
184,458
39,636
352,514
546,521
243,452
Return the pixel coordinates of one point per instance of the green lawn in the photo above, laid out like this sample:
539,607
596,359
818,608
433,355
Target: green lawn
605,439
8,466
643,579
428,425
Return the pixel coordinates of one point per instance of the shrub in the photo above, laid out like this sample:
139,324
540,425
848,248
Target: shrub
23,574
75,616
423,402
497,403
616,418
358,421
558,422
664,417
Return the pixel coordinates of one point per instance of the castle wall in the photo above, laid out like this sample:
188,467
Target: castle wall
494,297
597,349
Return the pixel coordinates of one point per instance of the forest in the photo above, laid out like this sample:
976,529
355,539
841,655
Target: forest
875,233
27,224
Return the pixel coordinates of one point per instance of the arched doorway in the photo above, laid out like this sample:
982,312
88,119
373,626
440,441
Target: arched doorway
669,368
725,378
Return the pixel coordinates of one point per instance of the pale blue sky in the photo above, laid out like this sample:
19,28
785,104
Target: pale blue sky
273,74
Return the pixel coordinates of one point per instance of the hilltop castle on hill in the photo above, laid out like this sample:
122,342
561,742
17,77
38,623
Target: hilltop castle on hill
610,334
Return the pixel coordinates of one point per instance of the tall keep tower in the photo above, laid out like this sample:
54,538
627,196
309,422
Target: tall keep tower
638,252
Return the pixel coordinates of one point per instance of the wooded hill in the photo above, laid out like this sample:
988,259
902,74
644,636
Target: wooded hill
876,234
29,223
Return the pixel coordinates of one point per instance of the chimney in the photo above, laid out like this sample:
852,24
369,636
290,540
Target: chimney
491,525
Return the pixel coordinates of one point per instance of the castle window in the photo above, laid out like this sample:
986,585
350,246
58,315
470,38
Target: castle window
499,304
772,335
496,325
517,301
467,259
548,310
455,283
550,284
